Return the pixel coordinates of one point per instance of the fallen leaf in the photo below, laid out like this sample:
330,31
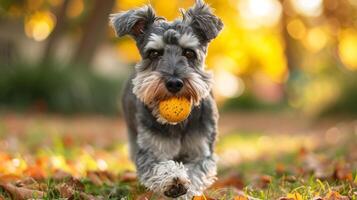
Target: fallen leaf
35,172
128,176
280,168
333,195
9,178
75,184
60,175
233,180
145,196
342,172
65,190
203,197
317,198
264,181
100,177
295,196
20,193
292,196
240,197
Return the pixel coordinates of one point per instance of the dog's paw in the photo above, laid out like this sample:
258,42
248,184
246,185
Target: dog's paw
178,188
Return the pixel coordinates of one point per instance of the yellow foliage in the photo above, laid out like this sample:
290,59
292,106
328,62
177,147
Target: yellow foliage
295,196
238,50
348,48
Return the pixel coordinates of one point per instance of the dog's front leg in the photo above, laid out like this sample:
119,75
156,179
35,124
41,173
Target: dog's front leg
202,174
164,177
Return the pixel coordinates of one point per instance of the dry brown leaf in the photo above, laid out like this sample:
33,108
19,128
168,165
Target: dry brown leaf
94,178
85,196
264,181
65,190
128,176
342,172
100,177
318,198
75,184
60,175
333,195
20,193
232,181
31,184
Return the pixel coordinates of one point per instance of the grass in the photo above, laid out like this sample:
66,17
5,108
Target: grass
255,164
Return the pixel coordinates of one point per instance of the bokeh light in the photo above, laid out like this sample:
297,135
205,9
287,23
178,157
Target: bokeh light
348,49
310,8
256,13
39,25
227,85
296,29
76,8
316,39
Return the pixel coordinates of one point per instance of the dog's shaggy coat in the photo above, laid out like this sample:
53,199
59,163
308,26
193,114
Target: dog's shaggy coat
173,159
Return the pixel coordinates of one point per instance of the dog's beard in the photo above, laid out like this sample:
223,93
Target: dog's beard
149,87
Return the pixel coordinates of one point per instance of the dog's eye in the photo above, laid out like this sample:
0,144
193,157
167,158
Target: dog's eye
188,53
153,54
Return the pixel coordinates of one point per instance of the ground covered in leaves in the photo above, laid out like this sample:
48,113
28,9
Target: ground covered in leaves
51,157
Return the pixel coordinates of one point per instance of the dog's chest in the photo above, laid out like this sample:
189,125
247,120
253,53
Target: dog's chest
189,146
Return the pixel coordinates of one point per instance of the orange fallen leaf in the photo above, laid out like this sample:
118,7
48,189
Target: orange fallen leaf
203,197
9,178
280,168
342,172
35,172
240,197
234,181
333,195
264,181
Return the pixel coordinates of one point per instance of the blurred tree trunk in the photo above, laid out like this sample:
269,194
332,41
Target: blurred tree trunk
56,33
93,31
290,50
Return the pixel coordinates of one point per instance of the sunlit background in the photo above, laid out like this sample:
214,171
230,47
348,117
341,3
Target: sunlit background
299,54
279,67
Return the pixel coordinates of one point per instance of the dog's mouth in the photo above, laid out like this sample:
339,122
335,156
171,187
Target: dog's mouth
151,89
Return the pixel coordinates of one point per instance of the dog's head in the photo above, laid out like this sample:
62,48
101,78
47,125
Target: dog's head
173,53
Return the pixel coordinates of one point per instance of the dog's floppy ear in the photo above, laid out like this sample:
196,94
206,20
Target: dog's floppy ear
133,22
201,18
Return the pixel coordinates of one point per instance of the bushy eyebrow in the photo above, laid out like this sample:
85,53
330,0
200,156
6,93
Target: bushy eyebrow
188,40
155,42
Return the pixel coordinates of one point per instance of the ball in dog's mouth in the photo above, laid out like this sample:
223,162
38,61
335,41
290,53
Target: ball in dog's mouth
175,109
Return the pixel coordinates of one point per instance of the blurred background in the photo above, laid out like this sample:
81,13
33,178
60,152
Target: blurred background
285,78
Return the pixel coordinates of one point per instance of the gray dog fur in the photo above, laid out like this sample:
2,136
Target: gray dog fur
173,159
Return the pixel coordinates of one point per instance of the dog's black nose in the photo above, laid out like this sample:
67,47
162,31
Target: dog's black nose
174,85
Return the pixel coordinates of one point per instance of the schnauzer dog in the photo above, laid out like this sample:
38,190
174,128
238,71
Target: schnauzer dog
172,159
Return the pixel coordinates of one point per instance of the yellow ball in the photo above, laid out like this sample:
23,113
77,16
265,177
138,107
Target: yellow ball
175,109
